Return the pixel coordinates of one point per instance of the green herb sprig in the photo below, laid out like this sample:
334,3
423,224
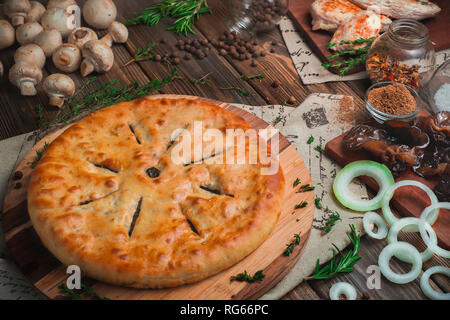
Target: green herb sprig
147,53
85,291
340,263
318,148
310,140
39,154
254,76
334,217
290,246
244,276
203,80
277,120
301,205
241,92
296,182
305,188
185,13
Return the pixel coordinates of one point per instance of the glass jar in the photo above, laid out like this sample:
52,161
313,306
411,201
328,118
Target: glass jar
402,54
249,17
438,89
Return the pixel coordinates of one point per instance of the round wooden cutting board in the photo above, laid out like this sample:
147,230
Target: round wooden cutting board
46,273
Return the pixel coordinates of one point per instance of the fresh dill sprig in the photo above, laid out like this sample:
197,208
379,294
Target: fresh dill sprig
244,276
146,53
107,94
290,246
185,13
242,92
254,76
334,217
340,263
84,291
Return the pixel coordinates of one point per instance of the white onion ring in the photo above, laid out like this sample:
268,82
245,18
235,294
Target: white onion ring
422,225
425,284
399,225
406,250
389,216
374,218
344,288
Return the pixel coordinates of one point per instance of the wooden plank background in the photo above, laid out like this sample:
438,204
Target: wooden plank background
18,114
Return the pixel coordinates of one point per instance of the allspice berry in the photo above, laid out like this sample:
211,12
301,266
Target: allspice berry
292,100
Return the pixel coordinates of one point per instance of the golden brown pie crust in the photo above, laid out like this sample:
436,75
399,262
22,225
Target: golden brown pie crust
91,180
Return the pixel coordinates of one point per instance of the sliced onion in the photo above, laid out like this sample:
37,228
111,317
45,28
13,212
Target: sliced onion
401,224
389,216
425,284
373,169
372,218
411,255
424,219
344,288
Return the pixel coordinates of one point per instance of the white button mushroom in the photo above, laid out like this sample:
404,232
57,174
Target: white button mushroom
35,13
99,13
17,10
117,32
97,56
49,40
58,87
25,76
80,36
7,35
70,6
67,57
57,18
27,32
30,53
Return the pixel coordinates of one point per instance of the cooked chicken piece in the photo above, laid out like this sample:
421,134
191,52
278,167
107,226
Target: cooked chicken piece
365,24
330,14
398,9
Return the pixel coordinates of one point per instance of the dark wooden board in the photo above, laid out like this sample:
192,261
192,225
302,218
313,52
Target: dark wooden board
409,201
46,273
299,11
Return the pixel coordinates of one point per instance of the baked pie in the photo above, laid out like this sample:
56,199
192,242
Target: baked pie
108,196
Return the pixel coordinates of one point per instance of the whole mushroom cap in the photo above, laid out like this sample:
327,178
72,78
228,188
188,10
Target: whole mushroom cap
16,10
49,40
67,57
97,56
7,34
63,4
59,19
35,13
117,32
58,87
25,76
27,32
30,53
80,36
99,13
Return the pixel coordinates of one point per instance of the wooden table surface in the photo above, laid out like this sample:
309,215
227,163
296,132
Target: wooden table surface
18,114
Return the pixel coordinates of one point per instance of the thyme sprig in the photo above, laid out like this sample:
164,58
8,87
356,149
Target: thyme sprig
107,94
244,276
203,80
185,13
340,263
347,65
85,291
147,53
290,246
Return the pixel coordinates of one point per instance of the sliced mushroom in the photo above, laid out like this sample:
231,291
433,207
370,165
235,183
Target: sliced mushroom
99,13
117,32
25,76
57,18
17,10
35,13
49,40
80,36
58,87
30,53
7,35
97,56
27,32
67,57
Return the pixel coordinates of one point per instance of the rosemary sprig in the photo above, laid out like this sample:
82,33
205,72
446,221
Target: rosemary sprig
296,182
84,291
254,76
107,94
203,80
146,53
305,188
290,246
334,217
185,13
301,205
340,263
242,92
244,276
